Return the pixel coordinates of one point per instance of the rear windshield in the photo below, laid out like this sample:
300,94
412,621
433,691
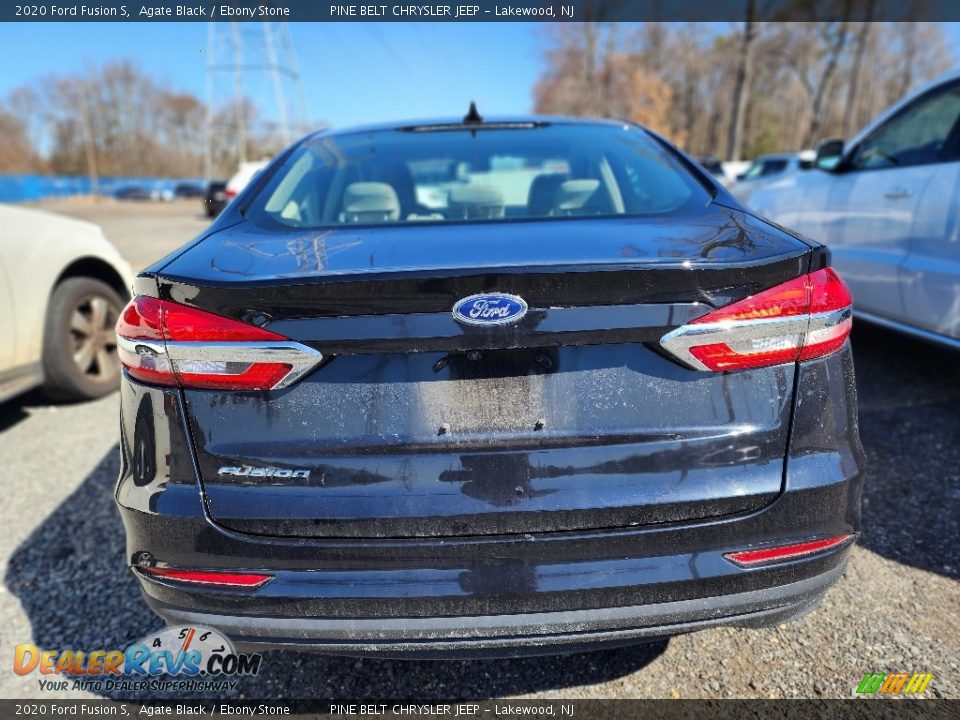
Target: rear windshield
434,175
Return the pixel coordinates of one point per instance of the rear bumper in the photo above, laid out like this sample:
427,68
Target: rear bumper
505,596
511,634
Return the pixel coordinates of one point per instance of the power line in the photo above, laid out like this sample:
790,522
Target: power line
251,68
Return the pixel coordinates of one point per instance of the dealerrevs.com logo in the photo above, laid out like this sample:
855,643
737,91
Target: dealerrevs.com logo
894,683
195,658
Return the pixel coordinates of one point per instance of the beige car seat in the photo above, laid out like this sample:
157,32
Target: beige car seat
369,202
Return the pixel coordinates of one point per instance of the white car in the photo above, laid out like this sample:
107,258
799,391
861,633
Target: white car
887,204
768,169
246,172
62,287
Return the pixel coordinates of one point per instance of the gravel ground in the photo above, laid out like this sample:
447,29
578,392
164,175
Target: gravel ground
896,609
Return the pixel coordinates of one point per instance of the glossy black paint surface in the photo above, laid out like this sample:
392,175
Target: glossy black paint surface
715,258
563,464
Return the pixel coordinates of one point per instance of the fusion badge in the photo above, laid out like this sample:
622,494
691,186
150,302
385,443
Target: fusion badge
248,471
489,309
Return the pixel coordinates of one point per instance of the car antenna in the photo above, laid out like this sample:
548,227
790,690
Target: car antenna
472,117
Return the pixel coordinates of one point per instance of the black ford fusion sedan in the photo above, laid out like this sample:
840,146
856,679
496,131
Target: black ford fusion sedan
487,387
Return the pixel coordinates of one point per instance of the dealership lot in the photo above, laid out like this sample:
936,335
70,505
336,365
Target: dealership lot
897,609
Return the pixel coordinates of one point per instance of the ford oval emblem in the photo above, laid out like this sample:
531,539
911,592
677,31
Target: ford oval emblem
489,309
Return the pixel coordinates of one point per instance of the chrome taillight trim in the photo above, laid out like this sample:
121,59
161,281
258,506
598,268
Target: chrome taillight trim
142,347
678,342
301,358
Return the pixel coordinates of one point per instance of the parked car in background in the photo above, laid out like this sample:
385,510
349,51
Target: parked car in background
713,166
62,287
484,387
888,209
245,173
768,169
188,190
162,192
215,198
133,192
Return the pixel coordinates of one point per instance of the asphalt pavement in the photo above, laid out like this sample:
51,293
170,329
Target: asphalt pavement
64,583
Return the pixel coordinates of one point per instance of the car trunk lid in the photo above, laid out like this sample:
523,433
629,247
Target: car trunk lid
416,425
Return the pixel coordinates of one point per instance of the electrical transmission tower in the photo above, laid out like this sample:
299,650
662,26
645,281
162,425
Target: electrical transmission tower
255,99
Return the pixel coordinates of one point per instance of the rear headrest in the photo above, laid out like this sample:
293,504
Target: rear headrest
468,202
370,202
542,190
399,177
573,195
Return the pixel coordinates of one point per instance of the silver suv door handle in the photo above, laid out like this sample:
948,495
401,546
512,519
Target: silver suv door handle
898,194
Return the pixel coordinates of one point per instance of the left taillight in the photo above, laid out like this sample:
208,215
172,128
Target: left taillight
164,343
802,319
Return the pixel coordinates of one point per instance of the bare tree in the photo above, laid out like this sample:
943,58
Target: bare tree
17,153
588,74
741,85
82,94
837,34
856,69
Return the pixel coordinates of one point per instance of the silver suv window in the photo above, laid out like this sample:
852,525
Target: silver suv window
915,136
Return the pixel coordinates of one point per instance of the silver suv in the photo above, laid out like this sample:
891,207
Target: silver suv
887,203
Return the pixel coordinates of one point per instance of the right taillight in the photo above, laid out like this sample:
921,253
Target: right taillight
804,318
164,343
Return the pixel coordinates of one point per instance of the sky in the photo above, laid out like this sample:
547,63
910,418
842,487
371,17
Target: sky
352,72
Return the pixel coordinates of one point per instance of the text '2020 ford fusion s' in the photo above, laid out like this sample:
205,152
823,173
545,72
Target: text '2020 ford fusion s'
487,387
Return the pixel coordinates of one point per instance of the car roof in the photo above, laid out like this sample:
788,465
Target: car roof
426,124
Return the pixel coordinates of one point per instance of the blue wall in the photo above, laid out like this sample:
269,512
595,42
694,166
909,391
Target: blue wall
23,188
